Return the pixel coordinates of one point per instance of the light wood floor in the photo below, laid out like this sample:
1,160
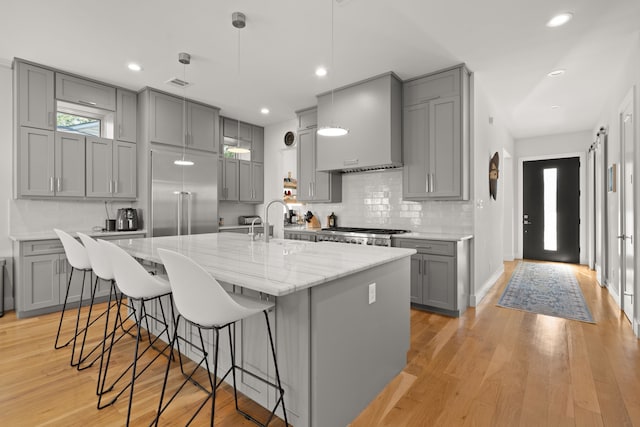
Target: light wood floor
491,367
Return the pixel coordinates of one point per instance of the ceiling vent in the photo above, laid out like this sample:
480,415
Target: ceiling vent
177,82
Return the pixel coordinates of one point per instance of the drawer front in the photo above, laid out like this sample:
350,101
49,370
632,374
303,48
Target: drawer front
38,247
434,247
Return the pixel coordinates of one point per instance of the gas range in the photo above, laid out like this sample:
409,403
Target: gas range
358,235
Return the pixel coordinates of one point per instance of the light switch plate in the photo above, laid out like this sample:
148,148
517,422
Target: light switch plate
372,293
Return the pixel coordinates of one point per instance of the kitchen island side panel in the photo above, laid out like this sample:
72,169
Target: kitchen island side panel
357,348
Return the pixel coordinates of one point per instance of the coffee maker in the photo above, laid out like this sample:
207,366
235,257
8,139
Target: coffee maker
127,219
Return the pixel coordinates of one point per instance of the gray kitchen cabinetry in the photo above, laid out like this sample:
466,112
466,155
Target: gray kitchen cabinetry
251,181
111,169
42,273
50,164
34,96
245,135
165,121
126,126
85,92
314,185
439,275
297,234
436,136
228,176
257,144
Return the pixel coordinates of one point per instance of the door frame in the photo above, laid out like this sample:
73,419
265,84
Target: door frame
583,212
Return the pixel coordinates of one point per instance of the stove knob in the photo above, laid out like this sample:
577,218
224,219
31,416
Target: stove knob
369,242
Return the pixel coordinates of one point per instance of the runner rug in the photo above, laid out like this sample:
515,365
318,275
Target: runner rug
550,289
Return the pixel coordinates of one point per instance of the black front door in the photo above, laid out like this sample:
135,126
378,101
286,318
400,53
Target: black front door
551,210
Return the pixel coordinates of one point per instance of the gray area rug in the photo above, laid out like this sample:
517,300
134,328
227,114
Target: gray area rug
550,289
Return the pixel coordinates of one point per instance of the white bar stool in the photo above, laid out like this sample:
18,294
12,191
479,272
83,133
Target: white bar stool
139,287
79,260
202,302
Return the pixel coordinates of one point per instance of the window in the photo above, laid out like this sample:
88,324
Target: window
550,209
68,122
83,119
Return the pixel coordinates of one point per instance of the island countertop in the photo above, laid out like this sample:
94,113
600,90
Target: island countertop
278,268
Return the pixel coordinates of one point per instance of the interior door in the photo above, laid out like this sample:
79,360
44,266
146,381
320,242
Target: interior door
551,210
627,211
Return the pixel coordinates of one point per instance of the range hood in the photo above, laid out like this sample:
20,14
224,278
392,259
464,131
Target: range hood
372,111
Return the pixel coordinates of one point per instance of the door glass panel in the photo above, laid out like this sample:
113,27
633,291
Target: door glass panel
550,209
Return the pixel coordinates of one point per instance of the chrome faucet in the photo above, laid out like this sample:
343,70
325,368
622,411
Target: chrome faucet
266,217
252,235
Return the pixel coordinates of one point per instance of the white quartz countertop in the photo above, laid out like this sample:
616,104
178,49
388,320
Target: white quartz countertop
449,237
278,268
46,235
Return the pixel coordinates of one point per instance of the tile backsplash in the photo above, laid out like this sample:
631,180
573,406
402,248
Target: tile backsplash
27,216
374,199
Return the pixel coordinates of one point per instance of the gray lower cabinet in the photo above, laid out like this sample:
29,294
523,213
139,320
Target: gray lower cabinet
439,275
42,273
35,96
111,169
228,175
51,164
436,136
251,181
313,185
309,236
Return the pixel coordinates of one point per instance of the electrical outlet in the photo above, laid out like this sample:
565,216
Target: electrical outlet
372,293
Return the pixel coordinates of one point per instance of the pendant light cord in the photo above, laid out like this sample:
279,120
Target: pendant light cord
333,113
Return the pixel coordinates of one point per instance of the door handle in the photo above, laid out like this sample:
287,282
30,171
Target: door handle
525,222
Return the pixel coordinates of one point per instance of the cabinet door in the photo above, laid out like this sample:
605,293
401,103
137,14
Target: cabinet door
245,182
36,155
99,167
35,97
69,164
415,152
231,179
125,183
126,116
443,84
306,164
202,127
229,128
165,119
79,278
85,92
221,185
257,178
307,119
416,279
445,147
439,281
41,285
257,145
245,132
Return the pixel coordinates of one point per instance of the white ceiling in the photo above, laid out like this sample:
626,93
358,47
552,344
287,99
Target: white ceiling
504,42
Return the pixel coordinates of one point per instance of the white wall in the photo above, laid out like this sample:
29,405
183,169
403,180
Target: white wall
489,136
574,144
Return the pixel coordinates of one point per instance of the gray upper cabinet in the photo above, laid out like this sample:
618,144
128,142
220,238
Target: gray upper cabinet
126,127
307,119
313,185
228,186
80,91
111,169
51,164
166,122
436,137
257,144
251,182
35,96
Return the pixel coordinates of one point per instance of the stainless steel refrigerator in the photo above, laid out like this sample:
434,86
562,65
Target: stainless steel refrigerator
184,199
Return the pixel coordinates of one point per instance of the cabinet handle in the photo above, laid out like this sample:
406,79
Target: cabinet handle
58,184
87,102
426,182
115,186
351,162
420,268
309,190
433,182
51,184
110,187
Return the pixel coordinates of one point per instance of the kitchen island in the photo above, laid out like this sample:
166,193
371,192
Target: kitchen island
341,317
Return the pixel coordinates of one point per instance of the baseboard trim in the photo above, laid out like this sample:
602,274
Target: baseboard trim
479,295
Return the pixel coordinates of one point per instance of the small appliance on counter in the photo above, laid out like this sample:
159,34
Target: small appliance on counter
312,221
127,219
247,219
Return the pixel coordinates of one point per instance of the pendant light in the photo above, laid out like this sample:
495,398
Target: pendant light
332,129
239,21
184,59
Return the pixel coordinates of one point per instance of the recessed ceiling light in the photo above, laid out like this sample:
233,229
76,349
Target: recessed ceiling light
560,19
264,111
134,67
555,107
557,72
321,72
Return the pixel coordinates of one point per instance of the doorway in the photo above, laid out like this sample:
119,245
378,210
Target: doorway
551,210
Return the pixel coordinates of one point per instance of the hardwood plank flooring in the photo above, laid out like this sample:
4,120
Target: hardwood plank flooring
491,367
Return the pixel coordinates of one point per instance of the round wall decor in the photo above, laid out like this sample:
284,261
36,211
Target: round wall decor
289,137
